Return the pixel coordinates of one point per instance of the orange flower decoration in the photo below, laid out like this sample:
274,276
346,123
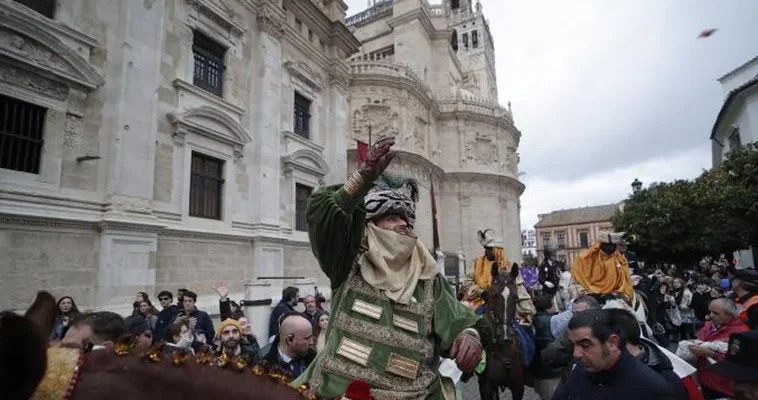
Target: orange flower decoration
222,360
204,357
121,349
178,357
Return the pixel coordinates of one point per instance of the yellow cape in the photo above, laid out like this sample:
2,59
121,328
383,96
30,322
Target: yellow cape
603,274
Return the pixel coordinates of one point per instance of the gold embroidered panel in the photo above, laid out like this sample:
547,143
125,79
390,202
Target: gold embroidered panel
383,335
354,351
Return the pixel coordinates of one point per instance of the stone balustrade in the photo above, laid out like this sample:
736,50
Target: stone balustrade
361,67
465,102
379,8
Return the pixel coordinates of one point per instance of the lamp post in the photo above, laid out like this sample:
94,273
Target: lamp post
636,186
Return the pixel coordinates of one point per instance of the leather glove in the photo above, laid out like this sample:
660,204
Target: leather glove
466,351
379,157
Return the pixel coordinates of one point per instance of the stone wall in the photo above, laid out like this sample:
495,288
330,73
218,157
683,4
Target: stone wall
63,262
300,261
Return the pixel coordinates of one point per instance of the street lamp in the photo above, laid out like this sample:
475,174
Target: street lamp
636,185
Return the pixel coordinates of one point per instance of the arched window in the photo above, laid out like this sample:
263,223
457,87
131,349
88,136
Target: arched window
454,40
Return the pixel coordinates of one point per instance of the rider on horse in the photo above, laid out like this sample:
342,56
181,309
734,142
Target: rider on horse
602,270
479,278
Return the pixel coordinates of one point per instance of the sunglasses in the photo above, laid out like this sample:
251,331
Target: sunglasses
164,298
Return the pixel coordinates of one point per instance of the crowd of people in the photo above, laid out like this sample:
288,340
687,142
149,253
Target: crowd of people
293,340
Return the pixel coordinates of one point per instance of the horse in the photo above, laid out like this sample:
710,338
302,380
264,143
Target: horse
505,363
31,370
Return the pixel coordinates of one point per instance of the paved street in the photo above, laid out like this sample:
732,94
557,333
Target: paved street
471,392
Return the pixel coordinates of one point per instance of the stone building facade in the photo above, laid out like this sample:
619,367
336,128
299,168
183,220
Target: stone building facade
159,144
425,74
569,232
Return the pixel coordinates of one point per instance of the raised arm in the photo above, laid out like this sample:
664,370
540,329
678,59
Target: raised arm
336,215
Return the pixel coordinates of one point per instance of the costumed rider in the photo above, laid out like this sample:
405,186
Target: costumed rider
393,314
479,278
602,270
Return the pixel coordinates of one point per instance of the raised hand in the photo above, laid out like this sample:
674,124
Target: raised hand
222,290
467,352
379,157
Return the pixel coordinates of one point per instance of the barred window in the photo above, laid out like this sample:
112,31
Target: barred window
464,38
209,64
474,39
302,193
547,240
560,238
21,128
302,116
206,186
584,240
44,7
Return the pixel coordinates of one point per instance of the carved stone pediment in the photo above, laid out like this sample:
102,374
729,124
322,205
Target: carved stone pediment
303,72
40,52
306,160
219,13
211,123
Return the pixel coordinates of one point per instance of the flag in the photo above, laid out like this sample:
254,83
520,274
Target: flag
435,228
361,153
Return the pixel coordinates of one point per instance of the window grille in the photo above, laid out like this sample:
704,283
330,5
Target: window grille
21,135
209,64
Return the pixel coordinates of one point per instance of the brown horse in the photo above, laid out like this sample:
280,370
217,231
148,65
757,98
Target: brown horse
505,364
102,374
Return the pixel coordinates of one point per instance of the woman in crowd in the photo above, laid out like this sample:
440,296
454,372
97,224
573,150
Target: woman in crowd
143,310
319,331
139,298
683,299
67,310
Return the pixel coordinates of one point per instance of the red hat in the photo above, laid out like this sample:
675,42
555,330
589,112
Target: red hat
357,390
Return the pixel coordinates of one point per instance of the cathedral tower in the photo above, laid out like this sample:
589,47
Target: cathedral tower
472,41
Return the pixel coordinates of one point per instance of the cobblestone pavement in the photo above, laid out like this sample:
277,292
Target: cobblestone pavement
471,392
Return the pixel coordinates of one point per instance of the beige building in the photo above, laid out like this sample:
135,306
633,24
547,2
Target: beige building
425,74
158,144
568,232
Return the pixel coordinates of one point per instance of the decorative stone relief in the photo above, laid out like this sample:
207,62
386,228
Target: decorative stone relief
381,117
464,199
271,23
72,137
417,139
511,160
26,80
243,180
482,150
32,52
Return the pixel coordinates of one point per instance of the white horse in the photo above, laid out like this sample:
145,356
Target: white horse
638,308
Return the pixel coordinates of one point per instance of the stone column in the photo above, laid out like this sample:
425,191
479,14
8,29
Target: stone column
336,140
267,100
258,308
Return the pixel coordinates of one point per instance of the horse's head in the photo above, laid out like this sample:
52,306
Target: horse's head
502,298
23,347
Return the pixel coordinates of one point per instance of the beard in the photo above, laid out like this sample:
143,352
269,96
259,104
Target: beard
231,344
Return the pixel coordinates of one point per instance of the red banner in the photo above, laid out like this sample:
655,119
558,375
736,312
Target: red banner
361,153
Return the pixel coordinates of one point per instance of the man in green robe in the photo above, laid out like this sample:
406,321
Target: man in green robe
393,313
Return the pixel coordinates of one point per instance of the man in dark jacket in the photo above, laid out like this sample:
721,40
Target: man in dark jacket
546,379
558,353
166,316
292,350
287,303
198,321
646,351
549,274
605,370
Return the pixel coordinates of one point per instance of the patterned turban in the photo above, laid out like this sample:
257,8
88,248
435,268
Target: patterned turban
392,197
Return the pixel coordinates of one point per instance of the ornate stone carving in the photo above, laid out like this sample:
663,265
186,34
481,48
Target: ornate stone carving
482,149
179,137
417,139
382,118
32,52
72,137
271,23
26,80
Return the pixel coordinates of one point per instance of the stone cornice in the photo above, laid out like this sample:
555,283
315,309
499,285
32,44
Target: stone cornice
303,141
365,73
304,73
18,11
271,20
51,202
465,176
335,32
46,222
205,95
224,18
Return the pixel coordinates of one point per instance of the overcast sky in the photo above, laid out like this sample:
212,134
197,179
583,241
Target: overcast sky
608,91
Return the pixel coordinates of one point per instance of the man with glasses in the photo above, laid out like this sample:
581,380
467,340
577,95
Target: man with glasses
167,315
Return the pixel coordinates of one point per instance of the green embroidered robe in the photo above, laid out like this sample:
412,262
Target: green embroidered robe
395,348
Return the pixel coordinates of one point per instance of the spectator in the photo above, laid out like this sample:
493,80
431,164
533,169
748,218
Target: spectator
232,344
180,297
546,379
311,312
605,370
140,332
227,308
646,351
139,298
287,303
199,322
745,285
319,331
723,323
145,312
549,274
166,317
292,350
741,365
558,354
178,336
248,339
701,297
67,310
95,331
683,299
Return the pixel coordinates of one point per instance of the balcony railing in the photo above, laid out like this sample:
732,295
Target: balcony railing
360,67
381,7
